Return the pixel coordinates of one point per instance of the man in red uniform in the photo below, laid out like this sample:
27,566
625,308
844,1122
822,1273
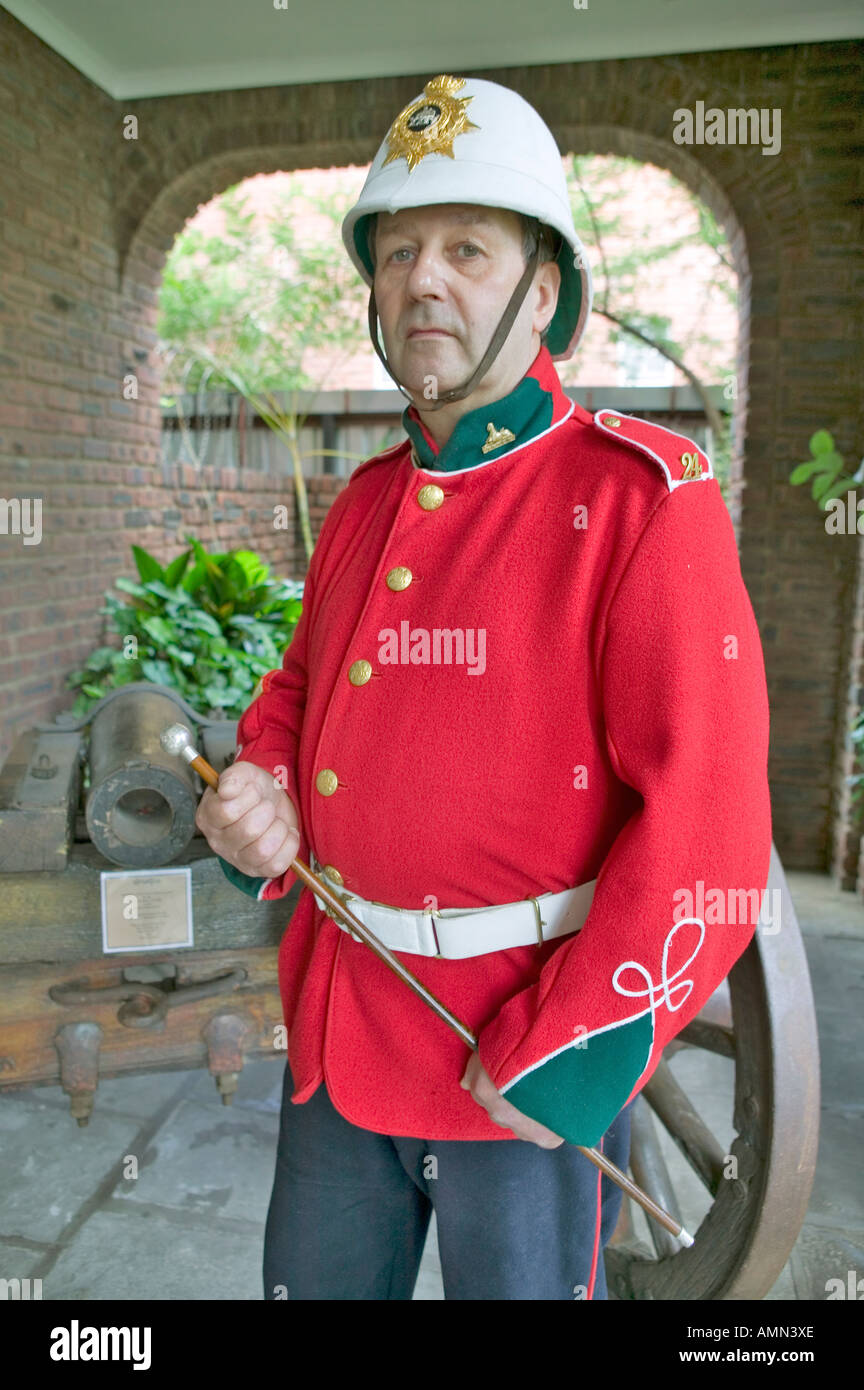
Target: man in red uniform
522,717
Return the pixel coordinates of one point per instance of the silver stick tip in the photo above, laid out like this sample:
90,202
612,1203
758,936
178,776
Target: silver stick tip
685,1237
175,738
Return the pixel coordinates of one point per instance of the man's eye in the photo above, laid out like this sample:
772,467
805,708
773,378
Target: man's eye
470,247
400,252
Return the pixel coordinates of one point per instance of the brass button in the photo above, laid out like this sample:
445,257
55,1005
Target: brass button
612,421
399,578
326,781
430,497
334,875
359,672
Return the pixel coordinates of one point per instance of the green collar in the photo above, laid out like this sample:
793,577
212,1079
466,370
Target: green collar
498,428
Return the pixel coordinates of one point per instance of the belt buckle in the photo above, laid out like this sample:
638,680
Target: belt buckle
540,923
344,925
318,868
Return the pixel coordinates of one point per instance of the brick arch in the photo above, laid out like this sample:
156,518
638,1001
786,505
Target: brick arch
157,210
153,215
160,201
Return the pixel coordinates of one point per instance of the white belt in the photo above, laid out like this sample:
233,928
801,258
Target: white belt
456,933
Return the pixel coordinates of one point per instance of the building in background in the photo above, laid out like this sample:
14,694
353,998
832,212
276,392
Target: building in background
639,213
694,288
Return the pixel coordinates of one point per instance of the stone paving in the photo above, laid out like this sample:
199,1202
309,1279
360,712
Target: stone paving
190,1226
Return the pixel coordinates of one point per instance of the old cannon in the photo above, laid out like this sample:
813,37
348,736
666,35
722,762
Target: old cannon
93,811
78,799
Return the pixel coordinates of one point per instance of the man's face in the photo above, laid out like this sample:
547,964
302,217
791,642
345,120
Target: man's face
443,276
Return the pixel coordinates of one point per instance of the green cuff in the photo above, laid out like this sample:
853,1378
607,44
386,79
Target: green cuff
246,884
578,1092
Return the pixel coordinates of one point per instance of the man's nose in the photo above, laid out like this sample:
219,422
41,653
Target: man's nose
427,274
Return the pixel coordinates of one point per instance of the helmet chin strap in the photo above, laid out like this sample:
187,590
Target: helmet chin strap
505,323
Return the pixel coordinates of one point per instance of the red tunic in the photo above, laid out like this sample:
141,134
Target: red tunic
618,730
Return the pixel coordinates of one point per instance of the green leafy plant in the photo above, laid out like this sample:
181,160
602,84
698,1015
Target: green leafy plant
207,625
824,470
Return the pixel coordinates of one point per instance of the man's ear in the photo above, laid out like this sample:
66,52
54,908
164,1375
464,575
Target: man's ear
548,283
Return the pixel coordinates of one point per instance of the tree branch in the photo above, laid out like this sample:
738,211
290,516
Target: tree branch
598,240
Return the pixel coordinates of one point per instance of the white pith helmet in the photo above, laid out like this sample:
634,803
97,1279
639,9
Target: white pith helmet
465,140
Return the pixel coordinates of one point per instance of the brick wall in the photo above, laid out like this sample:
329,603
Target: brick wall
847,860
88,217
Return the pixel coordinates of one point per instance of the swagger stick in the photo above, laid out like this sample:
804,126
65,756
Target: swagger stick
178,740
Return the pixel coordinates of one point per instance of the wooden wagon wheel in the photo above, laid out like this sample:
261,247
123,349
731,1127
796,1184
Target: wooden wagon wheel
763,1018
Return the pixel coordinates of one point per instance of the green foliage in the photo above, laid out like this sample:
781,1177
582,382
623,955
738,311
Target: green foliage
254,300
824,471
207,625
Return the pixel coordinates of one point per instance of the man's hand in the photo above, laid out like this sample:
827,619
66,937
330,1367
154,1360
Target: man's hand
250,821
501,1112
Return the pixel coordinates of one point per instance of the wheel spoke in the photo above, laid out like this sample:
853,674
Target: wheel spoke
672,1106
710,1037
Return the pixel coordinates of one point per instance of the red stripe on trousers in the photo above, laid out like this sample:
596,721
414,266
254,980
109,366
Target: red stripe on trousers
596,1235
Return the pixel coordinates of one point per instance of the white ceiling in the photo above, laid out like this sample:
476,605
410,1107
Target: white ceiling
149,48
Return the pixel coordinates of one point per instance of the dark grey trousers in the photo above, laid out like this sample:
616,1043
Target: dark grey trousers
350,1210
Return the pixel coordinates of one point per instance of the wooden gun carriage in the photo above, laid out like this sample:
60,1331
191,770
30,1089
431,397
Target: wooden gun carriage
82,797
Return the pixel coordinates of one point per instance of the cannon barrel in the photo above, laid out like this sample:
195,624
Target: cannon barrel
140,809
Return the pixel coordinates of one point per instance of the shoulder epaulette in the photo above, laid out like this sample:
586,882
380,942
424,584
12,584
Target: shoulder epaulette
681,460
